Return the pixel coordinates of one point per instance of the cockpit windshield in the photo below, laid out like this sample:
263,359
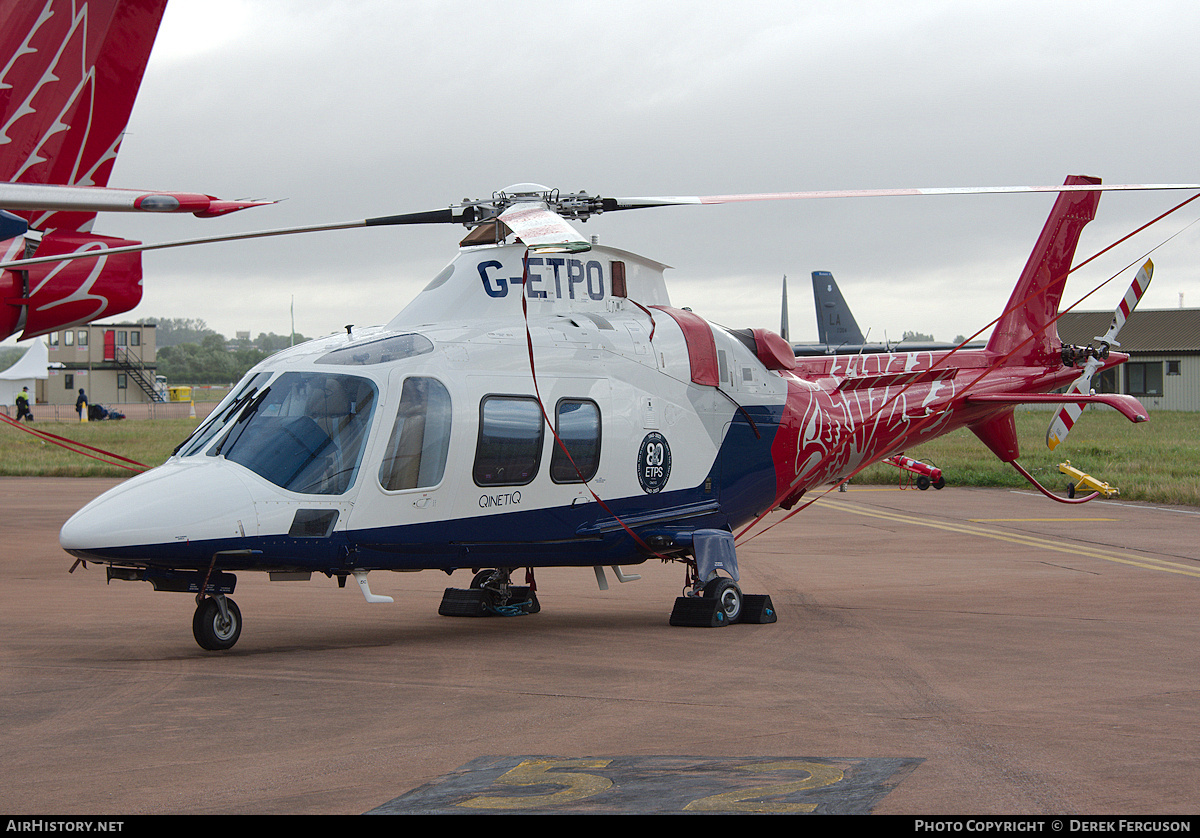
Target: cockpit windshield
222,415
304,432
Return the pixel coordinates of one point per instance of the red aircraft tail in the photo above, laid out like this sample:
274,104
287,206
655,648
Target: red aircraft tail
72,72
1028,329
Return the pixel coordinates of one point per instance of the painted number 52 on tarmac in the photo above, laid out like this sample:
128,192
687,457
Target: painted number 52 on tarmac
657,784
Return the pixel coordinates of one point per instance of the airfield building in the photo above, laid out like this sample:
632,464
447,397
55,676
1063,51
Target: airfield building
114,363
1163,370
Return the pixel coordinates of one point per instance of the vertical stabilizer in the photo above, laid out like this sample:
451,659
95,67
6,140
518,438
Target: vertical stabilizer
835,323
70,75
783,318
1027,331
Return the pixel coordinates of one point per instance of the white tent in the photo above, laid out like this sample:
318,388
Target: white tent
31,366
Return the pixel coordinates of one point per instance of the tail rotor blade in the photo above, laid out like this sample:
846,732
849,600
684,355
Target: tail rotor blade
1140,283
1066,416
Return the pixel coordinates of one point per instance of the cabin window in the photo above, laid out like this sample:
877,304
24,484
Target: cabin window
135,338
122,338
1144,379
304,433
1173,368
416,452
509,449
378,350
68,338
83,337
577,422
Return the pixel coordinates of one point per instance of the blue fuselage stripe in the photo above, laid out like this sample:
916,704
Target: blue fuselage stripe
740,485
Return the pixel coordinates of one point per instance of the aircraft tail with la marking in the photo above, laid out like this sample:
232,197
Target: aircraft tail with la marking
835,324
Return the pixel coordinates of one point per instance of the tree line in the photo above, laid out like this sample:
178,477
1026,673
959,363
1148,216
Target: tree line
189,352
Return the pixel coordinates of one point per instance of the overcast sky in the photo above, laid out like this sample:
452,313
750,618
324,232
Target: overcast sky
362,108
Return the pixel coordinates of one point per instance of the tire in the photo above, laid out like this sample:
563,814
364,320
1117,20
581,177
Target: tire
213,633
480,577
1071,490
940,483
728,594
922,482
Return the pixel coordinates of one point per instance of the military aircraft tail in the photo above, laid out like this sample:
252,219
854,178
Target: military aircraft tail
835,324
1027,331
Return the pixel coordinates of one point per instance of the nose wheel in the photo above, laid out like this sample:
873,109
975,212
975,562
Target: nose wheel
728,596
217,623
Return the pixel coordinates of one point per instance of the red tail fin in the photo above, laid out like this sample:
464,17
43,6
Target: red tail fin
1027,329
72,73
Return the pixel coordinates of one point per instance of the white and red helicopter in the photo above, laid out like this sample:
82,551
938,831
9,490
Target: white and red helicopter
541,403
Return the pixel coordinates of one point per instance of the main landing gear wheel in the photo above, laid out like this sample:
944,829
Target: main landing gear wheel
728,596
491,595
217,629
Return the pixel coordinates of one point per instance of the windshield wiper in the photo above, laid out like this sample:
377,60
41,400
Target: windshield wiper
243,418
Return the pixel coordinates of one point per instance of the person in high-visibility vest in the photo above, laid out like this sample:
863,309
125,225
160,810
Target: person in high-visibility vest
81,404
23,410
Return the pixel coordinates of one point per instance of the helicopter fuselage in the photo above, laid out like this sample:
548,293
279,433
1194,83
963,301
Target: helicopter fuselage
555,423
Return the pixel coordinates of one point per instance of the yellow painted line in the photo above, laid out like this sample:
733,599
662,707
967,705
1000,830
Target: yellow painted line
1017,538
992,520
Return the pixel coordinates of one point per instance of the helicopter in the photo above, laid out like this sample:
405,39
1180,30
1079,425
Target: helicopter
541,403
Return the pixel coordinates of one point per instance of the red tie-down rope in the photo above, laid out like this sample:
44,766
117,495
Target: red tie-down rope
74,446
553,430
921,422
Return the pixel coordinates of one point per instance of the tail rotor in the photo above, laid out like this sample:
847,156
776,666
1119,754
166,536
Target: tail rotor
1066,416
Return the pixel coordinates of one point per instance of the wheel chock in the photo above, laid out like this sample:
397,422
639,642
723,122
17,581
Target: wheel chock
757,608
698,612
463,602
476,602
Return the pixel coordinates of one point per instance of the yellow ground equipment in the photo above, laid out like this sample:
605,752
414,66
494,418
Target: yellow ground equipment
1085,481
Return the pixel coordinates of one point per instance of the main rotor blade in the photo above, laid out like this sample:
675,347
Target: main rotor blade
452,215
612,204
472,213
21,264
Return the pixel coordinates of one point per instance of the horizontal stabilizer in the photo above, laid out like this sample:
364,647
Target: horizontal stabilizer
1128,406
54,198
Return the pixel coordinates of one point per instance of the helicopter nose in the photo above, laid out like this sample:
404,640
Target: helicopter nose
171,504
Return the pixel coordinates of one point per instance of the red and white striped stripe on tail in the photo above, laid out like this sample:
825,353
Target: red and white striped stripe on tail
1068,414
